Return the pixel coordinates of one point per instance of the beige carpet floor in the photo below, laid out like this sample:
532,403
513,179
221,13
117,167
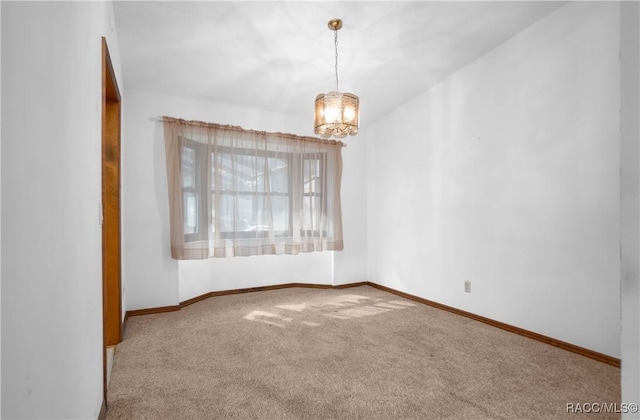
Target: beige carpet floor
357,353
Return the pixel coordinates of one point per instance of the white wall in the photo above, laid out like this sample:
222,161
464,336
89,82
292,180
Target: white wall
350,265
153,279
506,174
630,204
51,187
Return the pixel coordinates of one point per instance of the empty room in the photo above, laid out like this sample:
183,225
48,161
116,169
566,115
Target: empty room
320,210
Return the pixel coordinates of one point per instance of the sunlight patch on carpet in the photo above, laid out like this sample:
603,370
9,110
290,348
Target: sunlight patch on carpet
342,307
261,315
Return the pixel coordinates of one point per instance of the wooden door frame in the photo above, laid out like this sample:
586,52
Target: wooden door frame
111,253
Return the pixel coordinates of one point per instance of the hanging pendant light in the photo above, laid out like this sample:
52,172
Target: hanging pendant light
337,113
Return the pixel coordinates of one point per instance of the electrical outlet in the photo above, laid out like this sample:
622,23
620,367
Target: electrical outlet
467,287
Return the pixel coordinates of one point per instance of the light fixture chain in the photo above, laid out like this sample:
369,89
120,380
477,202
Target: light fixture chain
335,32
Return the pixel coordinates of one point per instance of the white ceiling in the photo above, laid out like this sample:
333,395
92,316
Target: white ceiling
280,55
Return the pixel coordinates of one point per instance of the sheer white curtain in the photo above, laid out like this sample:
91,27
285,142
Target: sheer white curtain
236,192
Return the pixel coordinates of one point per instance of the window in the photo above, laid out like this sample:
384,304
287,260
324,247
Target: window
254,193
313,194
237,192
193,214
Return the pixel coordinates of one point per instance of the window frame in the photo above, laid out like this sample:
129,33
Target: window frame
202,222
239,234
203,160
322,195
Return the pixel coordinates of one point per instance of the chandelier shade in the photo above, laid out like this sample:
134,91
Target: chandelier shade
337,113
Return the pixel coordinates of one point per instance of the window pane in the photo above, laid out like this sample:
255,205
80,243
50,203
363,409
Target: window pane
280,208
212,222
250,173
222,162
190,210
188,167
246,218
310,213
311,173
279,175
227,211
253,213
